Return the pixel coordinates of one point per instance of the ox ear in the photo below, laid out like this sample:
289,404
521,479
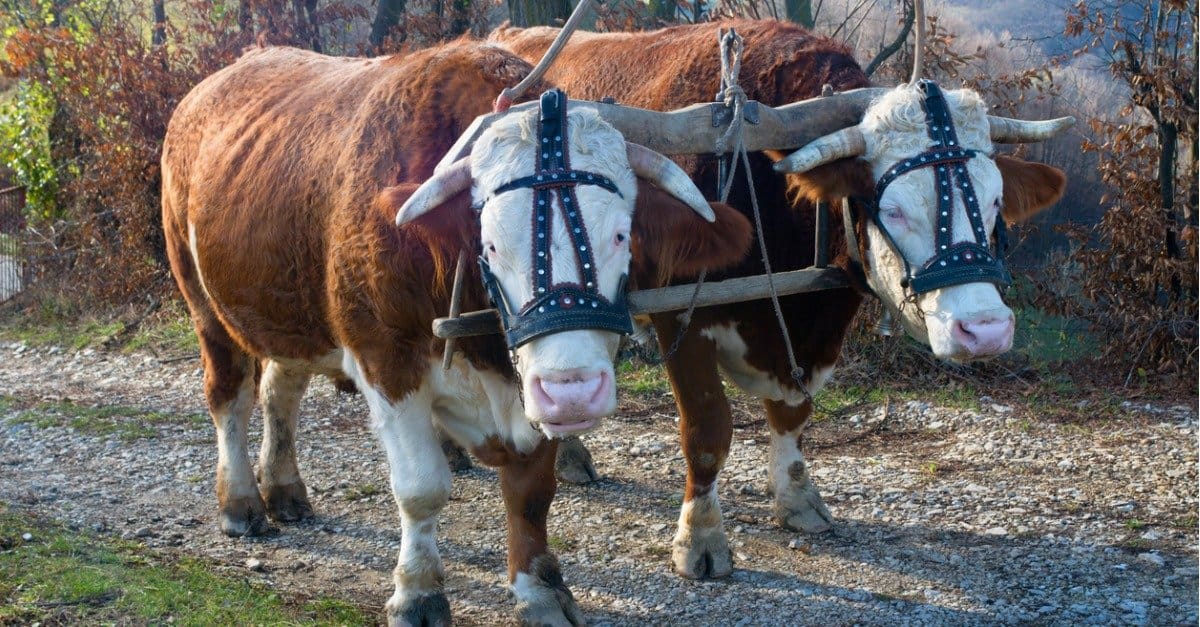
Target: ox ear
845,178
1029,187
670,240
450,223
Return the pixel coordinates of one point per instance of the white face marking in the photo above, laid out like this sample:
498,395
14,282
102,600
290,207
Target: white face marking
895,131
568,376
731,357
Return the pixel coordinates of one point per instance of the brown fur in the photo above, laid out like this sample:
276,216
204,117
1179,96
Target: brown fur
676,67
291,167
782,63
1028,187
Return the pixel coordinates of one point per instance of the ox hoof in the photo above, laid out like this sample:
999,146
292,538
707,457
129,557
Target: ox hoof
542,597
702,553
288,503
427,610
244,517
456,456
574,463
803,510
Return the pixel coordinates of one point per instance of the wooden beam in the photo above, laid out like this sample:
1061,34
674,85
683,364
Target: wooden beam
674,298
690,130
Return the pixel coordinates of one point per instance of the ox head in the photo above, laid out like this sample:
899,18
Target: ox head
556,191
935,215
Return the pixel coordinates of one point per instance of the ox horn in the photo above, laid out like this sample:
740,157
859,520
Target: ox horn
660,170
1010,131
848,142
436,190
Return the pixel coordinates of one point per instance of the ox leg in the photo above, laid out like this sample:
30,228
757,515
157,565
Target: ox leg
279,480
528,485
700,549
457,457
229,388
574,463
798,505
421,486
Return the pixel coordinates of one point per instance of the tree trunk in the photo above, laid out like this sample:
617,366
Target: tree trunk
910,16
525,13
158,36
662,10
386,18
1168,136
800,12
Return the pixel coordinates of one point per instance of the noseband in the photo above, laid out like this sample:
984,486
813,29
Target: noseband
557,306
953,263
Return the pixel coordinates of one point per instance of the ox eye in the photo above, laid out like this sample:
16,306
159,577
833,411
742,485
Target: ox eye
620,238
894,215
491,248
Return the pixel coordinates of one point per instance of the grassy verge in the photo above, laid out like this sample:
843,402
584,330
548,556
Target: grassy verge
59,576
54,320
125,423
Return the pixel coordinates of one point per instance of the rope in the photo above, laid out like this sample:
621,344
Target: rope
731,46
506,97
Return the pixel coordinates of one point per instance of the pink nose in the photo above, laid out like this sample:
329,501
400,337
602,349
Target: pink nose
571,400
986,335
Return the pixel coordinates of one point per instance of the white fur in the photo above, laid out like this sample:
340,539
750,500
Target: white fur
895,130
233,461
196,257
281,390
420,481
505,152
731,357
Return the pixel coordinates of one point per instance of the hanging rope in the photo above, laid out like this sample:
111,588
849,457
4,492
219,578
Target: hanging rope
731,46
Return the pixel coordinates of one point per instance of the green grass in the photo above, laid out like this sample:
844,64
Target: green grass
67,577
1048,339
54,321
359,492
125,423
642,380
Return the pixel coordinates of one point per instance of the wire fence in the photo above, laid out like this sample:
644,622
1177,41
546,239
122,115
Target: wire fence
14,271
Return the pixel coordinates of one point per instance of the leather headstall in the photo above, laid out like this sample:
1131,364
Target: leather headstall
953,263
557,306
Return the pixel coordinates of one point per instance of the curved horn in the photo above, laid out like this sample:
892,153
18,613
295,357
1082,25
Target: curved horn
662,171
436,190
848,142
1010,131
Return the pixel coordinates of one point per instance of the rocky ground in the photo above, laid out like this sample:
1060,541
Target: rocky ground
1000,512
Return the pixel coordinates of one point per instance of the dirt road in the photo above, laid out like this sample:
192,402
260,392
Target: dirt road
983,514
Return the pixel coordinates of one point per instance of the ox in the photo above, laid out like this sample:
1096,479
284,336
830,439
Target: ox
783,63
284,177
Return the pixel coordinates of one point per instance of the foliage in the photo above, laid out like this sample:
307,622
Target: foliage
25,147
1139,264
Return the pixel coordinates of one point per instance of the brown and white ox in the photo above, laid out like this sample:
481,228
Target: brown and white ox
783,63
284,176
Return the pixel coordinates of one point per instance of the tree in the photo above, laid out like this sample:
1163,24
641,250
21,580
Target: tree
538,12
1141,281
386,18
800,12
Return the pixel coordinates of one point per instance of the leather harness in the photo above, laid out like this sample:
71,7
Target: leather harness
953,263
557,306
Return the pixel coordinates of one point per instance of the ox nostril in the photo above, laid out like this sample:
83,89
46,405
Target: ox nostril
963,333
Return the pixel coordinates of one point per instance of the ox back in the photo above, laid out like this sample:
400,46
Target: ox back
676,67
